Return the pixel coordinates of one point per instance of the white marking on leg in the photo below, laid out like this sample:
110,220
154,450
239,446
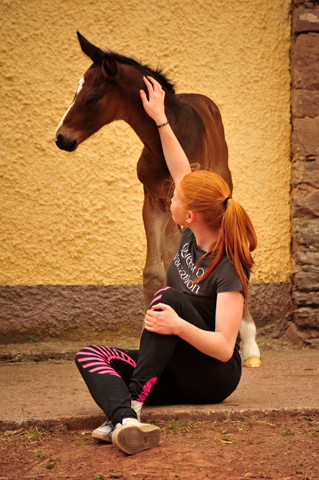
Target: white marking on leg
80,85
248,336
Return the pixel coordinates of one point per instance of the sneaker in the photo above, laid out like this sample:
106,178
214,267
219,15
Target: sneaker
104,432
132,436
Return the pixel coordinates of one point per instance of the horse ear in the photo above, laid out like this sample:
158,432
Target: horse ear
109,66
95,53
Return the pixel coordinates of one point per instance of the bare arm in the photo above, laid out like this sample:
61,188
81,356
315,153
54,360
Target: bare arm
219,344
175,157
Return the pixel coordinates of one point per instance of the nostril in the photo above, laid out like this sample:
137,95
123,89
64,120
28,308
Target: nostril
66,144
59,141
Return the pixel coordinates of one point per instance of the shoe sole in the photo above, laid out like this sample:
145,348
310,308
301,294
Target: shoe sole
136,438
101,436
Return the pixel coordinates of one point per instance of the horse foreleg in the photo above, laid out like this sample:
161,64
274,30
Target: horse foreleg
251,351
154,275
172,238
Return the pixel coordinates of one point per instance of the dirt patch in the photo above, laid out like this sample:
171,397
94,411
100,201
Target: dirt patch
285,449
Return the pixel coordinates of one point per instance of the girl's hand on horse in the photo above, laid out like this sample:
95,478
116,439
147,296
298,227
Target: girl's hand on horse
154,104
162,319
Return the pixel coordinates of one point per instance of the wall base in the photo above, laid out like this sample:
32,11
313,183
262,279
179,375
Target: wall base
48,312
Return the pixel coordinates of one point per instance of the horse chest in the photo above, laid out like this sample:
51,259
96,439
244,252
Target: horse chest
152,172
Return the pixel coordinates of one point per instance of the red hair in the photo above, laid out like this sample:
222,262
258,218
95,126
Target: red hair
206,193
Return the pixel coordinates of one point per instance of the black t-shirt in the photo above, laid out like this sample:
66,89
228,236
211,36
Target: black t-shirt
182,272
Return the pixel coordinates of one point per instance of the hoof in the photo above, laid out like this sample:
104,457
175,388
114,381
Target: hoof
253,362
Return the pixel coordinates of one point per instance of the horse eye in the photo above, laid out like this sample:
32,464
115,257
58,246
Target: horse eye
93,101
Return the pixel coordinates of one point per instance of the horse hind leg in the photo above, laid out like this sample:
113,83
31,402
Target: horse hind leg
251,351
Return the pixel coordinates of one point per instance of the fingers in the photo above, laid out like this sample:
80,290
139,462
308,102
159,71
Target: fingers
153,86
153,315
143,97
150,321
150,83
153,100
160,306
156,86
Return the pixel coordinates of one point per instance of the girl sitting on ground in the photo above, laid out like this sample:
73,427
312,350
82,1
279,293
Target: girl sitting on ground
189,348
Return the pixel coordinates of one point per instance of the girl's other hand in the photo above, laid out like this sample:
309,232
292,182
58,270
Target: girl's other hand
154,104
162,319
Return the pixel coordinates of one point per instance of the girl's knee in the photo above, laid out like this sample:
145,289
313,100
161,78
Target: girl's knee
81,353
167,295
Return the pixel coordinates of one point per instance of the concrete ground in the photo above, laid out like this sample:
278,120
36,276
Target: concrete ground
40,386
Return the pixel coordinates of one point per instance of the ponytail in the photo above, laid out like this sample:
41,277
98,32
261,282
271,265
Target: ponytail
239,239
208,194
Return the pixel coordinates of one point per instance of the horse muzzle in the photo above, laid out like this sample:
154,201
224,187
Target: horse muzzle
66,144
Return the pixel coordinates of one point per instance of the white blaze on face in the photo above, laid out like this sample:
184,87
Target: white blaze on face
80,85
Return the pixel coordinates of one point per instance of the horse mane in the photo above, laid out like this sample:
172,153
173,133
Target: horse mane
158,74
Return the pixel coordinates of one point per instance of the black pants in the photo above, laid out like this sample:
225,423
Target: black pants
165,370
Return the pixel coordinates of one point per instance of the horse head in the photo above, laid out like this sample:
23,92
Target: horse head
97,100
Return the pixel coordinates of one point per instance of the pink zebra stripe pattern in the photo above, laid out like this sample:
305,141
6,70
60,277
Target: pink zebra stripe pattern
99,359
158,297
146,390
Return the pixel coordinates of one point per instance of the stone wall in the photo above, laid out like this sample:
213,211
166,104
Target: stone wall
305,172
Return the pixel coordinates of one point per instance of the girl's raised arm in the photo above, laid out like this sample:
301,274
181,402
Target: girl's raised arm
175,157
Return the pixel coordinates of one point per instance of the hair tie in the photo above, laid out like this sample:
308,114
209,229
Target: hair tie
226,200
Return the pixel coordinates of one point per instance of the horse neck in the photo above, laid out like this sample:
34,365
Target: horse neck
145,128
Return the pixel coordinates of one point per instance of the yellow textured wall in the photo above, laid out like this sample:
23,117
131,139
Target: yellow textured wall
75,218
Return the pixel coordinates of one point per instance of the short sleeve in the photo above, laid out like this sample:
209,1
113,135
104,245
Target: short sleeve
227,279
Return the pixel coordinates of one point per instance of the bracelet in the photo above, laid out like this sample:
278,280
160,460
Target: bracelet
163,124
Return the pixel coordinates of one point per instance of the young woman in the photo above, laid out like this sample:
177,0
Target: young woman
189,349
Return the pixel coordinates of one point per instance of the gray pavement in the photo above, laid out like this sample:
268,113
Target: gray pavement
40,386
